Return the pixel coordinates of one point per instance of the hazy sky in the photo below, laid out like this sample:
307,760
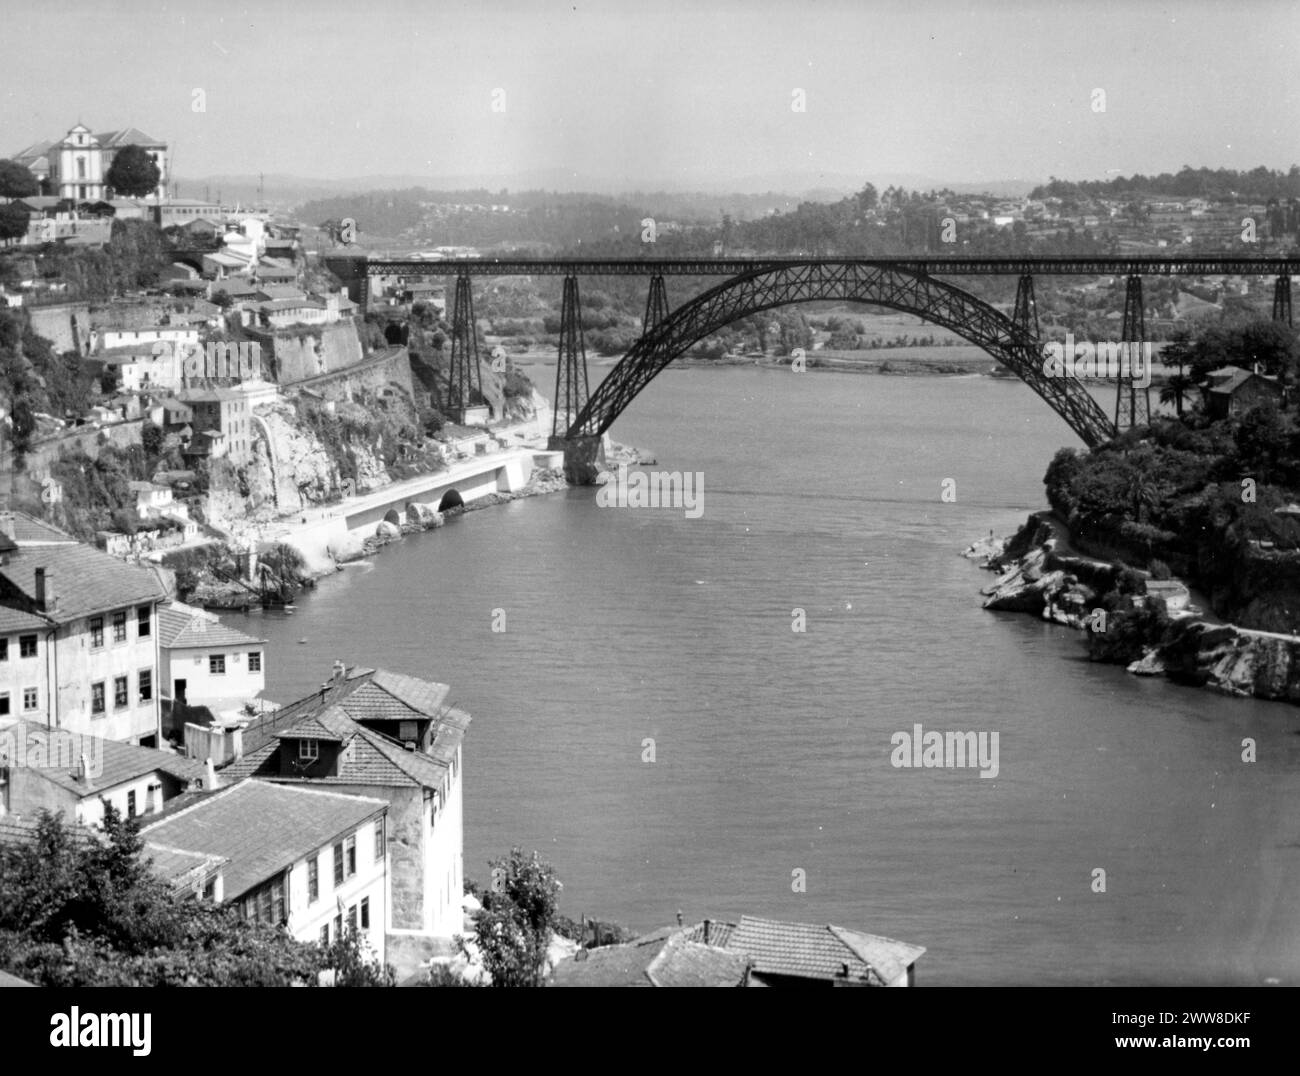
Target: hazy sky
659,91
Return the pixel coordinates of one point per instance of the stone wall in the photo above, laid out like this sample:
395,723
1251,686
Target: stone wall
65,325
295,356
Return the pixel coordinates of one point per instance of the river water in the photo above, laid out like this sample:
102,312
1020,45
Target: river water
772,748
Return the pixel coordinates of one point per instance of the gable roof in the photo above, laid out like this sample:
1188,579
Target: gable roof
121,762
179,628
260,828
179,868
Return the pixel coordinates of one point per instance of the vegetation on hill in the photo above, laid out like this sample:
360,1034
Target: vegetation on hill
1198,496
1221,184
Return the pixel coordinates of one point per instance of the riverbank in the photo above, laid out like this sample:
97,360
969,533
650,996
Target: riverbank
1040,573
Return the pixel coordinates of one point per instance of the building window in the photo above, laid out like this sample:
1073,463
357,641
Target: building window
27,646
338,864
325,934
365,913
255,661
144,621
97,698
313,879
4,703
266,905
407,730
119,626
31,698
146,685
379,841
130,805
210,889
4,649
217,664
121,694
350,846
308,750
352,918
96,631
338,925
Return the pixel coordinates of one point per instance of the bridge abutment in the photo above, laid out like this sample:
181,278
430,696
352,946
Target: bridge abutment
584,457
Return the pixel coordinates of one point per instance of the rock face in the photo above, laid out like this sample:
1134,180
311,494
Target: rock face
1035,578
1234,660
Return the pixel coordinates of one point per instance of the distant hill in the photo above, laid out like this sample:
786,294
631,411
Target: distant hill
286,190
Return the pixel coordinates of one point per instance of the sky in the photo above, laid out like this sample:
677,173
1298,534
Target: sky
666,93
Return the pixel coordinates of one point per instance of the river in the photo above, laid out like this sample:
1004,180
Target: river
772,748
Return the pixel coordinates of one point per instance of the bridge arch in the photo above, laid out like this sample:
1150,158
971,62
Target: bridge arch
898,288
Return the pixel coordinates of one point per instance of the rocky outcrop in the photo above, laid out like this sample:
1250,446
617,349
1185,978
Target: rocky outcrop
1233,660
1035,578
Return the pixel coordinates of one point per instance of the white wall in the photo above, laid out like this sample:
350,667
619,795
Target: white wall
306,919
191,665
444,883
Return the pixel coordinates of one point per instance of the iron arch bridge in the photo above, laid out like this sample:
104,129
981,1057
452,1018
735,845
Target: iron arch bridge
906,283
1014,345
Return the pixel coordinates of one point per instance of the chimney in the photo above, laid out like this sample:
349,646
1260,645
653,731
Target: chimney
340,671
210,779
84,773
680,920
43,591
707,923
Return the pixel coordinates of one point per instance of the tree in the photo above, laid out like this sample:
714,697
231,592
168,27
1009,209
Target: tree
514,928
133,173
151,437
76,910
17,181
13,222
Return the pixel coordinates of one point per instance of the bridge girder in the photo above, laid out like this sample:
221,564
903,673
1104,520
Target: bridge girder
350,266
846,281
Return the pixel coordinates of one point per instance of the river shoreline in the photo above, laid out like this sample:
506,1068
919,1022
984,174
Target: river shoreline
1038,572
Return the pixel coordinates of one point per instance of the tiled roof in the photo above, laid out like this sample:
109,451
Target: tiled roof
664,958
363,695
179,868
25,530
810,951
1228,383
128,136
179,624
121,762
21,829
686,963
719,933
36,149
83,580
261,828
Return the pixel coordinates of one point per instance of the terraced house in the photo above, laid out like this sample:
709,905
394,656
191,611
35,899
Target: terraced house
78,635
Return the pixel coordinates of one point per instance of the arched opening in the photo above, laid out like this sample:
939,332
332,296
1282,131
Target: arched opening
845,281
391,516
450,499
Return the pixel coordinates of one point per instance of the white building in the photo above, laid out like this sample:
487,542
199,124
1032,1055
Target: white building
205,662
76,166
314,860
78,645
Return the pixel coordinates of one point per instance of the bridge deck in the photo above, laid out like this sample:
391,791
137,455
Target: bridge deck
1143,265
